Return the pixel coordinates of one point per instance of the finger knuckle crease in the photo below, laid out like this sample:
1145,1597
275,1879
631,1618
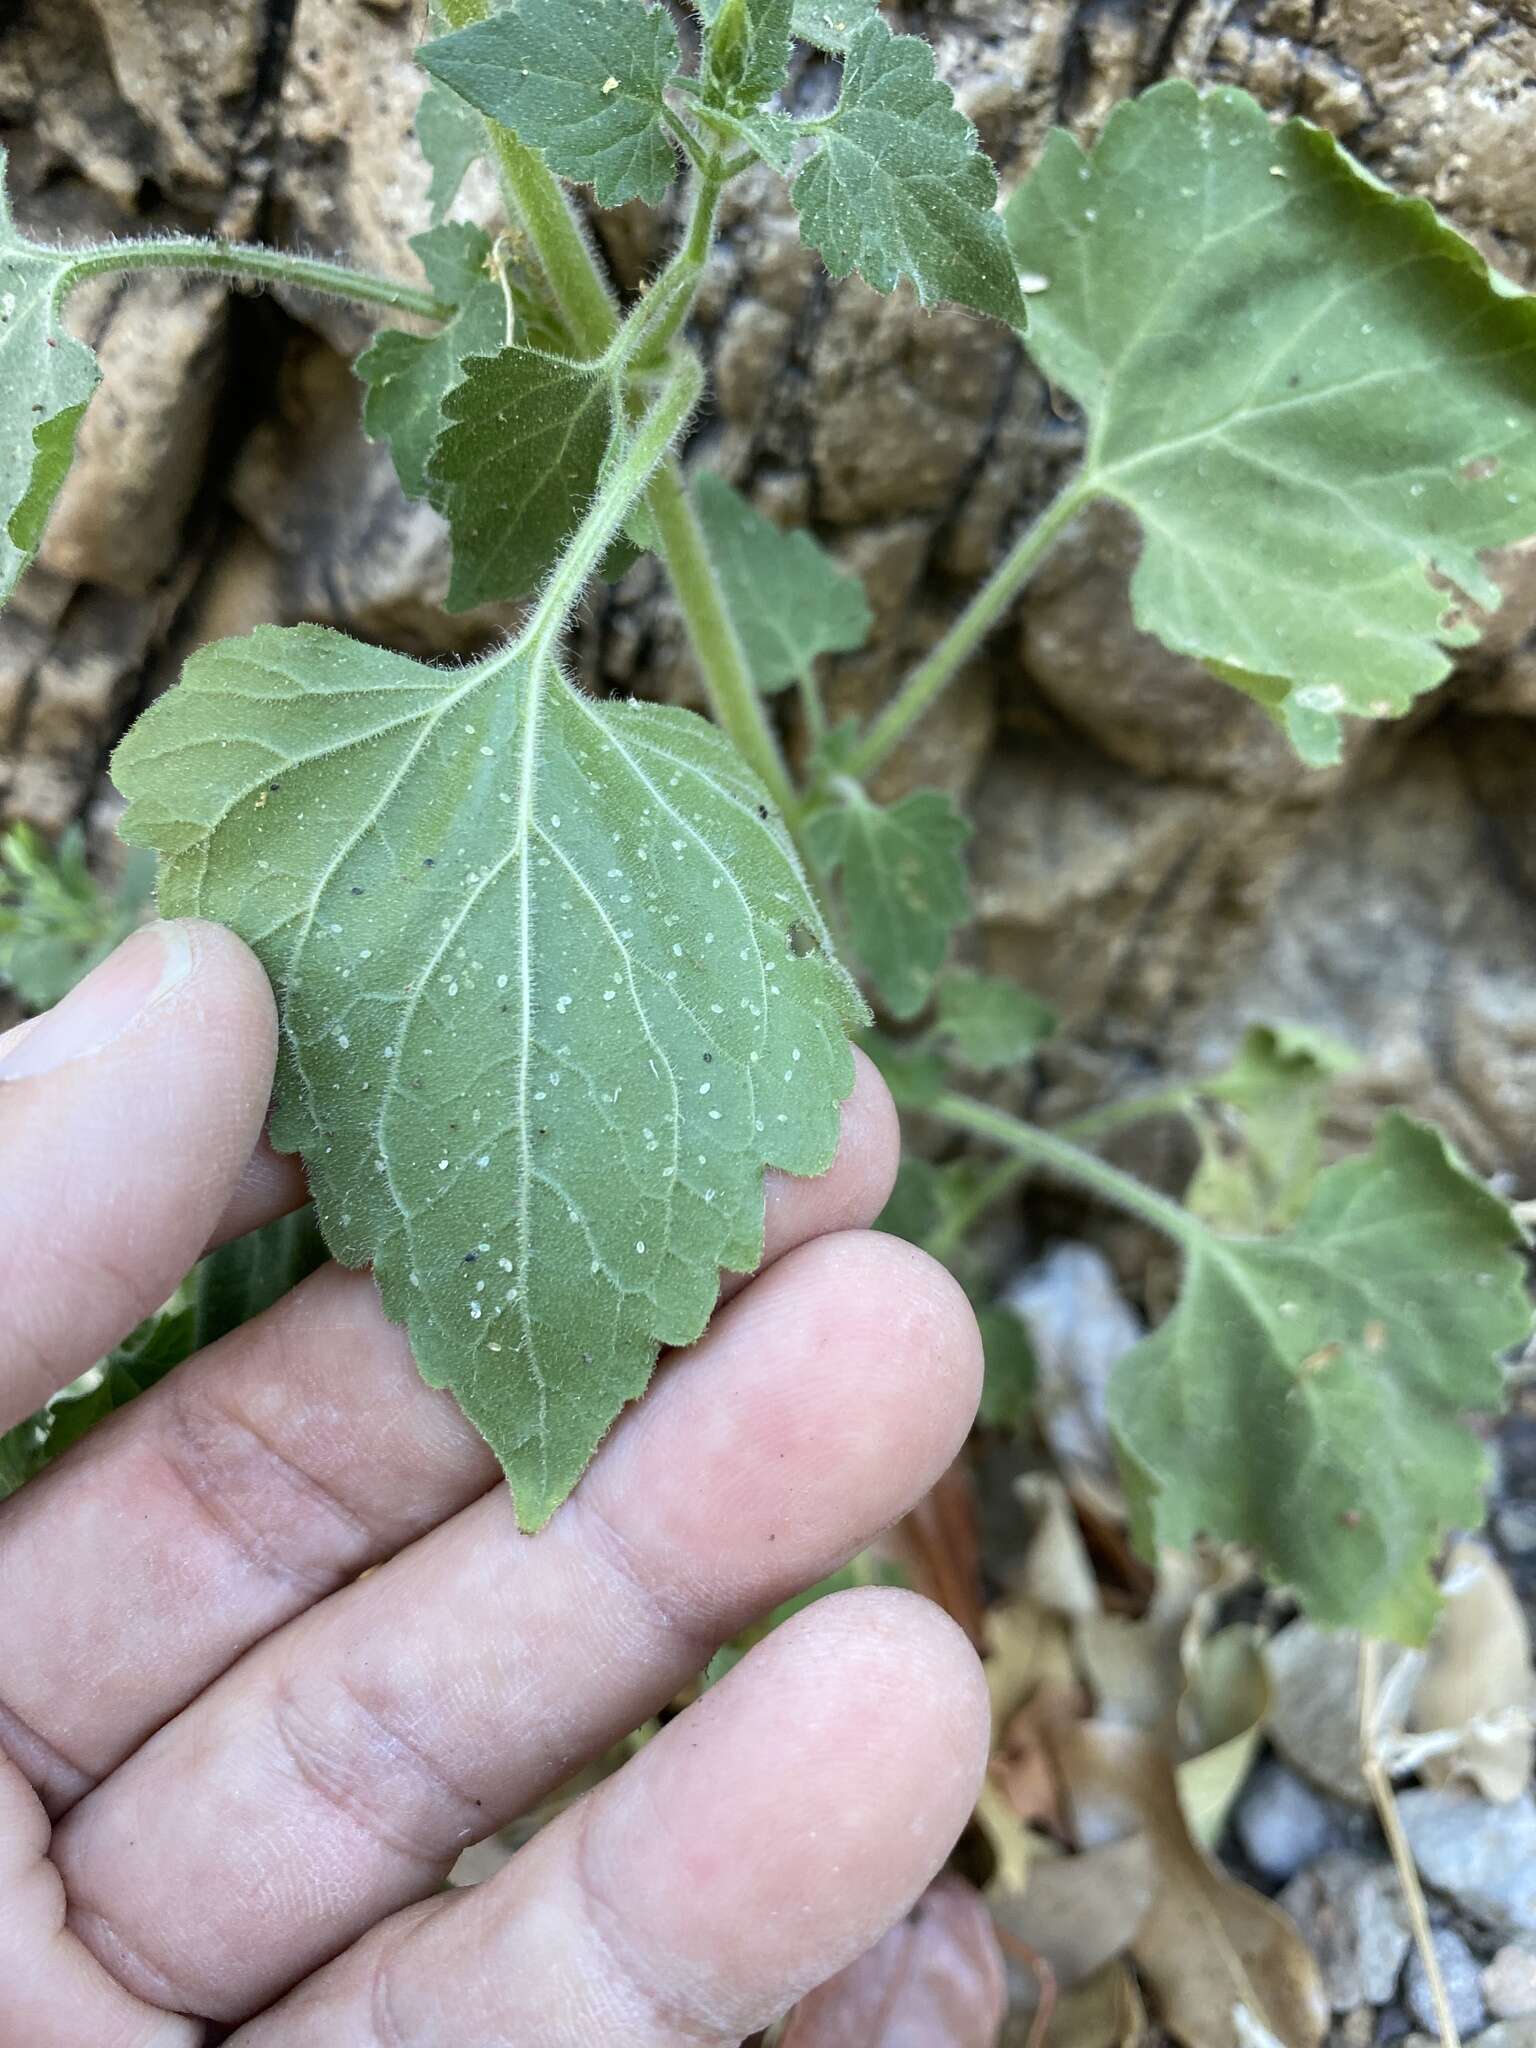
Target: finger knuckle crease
352,1754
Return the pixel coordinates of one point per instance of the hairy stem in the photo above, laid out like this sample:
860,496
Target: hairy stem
951,1233
934,674
538,199
625,483
253,263
1059,1155
736,704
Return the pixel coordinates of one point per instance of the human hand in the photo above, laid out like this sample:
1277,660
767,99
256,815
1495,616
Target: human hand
258,1764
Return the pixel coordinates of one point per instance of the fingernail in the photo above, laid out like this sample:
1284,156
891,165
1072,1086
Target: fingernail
142,972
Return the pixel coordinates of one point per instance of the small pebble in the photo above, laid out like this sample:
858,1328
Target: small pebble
1509,1983
1463,1991
1282,1824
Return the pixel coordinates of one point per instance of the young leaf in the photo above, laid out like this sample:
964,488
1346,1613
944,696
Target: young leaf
904,886
409,375
554,993
46,380
991,1023
787,598
915,1076
899,186
1305,1396
829,23
1312,394
514,468
746,53
1260,1128
583,85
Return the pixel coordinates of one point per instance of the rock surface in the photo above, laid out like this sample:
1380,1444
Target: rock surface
1149,856
1480,1855
1509,1982
1459,1975
1353,1918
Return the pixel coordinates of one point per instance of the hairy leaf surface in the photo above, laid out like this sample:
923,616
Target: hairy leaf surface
553,991
581,81
829,23
899,186
1312,394
409,375
46,380
1305,1396
904,886
451,135
788,600
515,467
990,1022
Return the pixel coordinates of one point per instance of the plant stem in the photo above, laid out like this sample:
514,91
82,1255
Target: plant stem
671,298
1044,1148
933,675
606,514
1003,1178
1175,1100
249,261
737,706
539,200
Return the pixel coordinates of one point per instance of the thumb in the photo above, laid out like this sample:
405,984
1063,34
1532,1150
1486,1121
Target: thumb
126,1116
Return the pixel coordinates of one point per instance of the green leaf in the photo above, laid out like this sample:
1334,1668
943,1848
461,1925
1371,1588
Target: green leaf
899,186
554,993
829,23
56,920
582,85
515,466
1312,394
244,1279
915,1076
990,1022
451,135
409,375
904,886
46,380
1010,1369
746,54
787,598
1305,1397
1260,1128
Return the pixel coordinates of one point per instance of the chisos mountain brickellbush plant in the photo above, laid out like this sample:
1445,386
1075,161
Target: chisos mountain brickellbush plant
558,977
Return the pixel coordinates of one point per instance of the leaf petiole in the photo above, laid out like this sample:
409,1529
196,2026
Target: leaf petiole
252,263
934,674
1059,1155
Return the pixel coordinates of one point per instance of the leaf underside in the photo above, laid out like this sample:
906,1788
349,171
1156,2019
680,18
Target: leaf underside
898,186
1305,1396
553,993
1312,394
46,380
581,81
788,600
